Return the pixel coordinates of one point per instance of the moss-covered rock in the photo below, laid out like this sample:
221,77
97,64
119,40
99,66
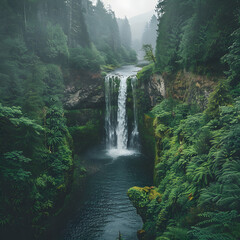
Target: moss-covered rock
85,127
84,136
146,200
141,197
146,132
145,74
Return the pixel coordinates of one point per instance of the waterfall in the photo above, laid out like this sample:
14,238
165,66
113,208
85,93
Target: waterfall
110,116
116,124
134,139
122,130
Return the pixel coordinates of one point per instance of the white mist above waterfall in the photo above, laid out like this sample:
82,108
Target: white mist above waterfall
118,141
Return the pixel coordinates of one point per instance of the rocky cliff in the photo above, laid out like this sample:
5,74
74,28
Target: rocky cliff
183,86
84,90
169,106
84,102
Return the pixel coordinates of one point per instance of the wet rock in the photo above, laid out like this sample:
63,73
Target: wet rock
145,200
83,91
141,234
183,86
156,89
142,197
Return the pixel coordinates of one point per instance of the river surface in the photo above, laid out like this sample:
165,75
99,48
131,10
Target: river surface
102,209
106,209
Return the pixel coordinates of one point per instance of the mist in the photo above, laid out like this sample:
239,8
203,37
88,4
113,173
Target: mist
129,8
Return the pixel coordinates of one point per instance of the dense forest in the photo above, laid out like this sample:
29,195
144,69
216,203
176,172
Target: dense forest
196,128
188,101
150,32
42,42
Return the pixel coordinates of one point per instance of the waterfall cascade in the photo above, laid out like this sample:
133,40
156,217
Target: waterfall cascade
134,140
118,141
122,129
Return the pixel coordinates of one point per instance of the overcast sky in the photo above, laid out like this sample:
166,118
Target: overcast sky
130,8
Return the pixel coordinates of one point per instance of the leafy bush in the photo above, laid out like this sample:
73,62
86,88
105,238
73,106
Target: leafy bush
86,59
56,47
197,170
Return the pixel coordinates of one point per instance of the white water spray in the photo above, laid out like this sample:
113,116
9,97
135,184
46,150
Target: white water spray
122,130
134,140
116,122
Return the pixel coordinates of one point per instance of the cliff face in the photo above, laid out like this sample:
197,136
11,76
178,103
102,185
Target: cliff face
156,88
169,106
84,90
84,103
153,88
183,86
143,199
190,88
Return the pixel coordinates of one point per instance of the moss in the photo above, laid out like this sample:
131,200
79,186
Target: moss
80,117
147,134
85,127
85,136
145,74
142,196
103,74
146,200
107,68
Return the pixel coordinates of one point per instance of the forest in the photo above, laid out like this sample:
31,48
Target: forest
39,50
196,172
187,98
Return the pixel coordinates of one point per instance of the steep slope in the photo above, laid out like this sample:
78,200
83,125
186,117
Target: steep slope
190,105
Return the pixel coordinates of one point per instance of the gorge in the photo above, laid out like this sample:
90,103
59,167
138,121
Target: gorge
105,209
97,145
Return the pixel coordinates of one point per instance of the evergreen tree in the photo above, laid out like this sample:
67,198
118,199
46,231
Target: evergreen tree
125,32
150,32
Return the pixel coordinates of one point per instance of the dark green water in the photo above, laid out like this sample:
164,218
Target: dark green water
105,208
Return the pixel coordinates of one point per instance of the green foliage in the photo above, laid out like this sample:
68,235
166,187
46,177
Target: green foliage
219,97
86,59
89,132
145,74
112,40
125,32
175,233
13,172
195,35
150,32
56,43
233,61
35,157
148,51
219,225
196,171
28,167
55,128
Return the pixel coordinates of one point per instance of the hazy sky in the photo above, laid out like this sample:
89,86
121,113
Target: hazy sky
130,8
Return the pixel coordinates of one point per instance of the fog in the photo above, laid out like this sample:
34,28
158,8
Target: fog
140,15
130,8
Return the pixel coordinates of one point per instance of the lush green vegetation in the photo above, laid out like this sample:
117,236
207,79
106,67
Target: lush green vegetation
194,35
111,37
42,42
197,150
196,171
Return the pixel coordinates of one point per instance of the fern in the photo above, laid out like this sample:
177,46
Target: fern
218,225
176,233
